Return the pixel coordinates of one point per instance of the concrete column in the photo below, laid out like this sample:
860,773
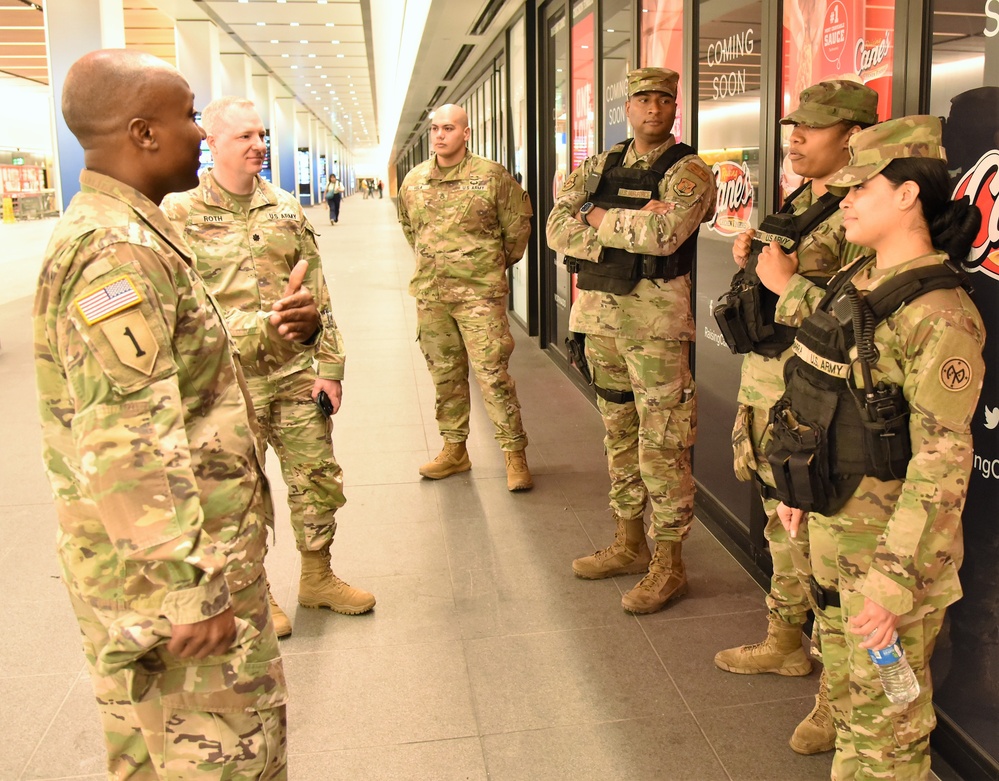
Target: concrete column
73,28
237,75
260,95
283,141
198,58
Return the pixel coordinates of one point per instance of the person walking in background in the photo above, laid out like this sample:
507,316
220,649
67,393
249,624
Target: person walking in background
149,448
888,367
334,194
381,187
468,221
628,219
828,115
254,248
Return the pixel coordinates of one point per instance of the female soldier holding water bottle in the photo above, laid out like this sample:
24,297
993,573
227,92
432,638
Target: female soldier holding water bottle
872,440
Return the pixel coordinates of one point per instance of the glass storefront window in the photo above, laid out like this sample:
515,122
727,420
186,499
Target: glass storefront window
728,104
616,62
964,92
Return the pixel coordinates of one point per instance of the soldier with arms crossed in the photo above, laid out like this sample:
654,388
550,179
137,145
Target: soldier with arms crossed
828,115
249,237
161,501
629,217
468,221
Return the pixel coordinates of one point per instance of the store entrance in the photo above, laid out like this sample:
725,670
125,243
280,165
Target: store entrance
556,282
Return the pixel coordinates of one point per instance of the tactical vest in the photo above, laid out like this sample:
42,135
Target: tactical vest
826,433
617,187
745,313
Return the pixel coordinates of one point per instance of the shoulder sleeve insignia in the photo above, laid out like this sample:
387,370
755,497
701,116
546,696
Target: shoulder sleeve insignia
116,296
685,187
955,374
571,181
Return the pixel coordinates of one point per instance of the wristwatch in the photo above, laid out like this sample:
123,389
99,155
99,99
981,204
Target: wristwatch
585,209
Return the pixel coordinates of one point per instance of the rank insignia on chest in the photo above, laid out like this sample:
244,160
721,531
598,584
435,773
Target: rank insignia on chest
684,187
114,297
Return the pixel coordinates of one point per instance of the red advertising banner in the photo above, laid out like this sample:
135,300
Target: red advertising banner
584,125
662,43
838,39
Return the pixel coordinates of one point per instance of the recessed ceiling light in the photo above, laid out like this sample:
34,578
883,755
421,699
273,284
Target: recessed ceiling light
335,42
312,55
303,41
294,24
261,24
285,55
611,31
330,24
340,56
274,40
294,67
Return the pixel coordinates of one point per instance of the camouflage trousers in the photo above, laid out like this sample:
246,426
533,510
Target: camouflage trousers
789,596
648,440
169,719
875,739
301,436
454,335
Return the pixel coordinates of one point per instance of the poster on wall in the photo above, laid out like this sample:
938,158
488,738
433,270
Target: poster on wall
838,39
967,661
583,110
662,44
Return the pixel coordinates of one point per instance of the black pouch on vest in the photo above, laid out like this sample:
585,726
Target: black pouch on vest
886,433
798,454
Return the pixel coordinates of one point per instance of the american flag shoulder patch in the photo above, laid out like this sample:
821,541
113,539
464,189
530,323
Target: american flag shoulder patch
114,297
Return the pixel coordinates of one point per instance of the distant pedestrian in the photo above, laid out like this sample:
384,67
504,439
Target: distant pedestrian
334,194
381,187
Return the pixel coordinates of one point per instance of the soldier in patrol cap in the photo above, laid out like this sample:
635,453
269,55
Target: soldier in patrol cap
885,557
468,221
828,115
148,445
257,252
627,220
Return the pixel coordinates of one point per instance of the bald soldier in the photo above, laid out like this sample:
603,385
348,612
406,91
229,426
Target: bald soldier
255,248
627,220
468,221
149,448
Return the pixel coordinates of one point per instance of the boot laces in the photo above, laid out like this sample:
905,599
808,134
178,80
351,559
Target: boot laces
515,461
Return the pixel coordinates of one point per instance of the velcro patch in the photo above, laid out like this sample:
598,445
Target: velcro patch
684,187
626,193
116,296
955,374
133,341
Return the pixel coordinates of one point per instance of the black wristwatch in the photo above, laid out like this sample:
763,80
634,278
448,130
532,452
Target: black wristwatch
585,209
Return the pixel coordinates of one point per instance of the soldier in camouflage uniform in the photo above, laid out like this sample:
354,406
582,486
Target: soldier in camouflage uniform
638,344
468,221
828,114
248,236
161,501
888,560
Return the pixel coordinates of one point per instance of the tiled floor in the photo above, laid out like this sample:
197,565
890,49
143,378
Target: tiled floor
485,658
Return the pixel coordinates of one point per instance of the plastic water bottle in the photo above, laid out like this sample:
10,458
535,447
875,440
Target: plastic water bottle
897,677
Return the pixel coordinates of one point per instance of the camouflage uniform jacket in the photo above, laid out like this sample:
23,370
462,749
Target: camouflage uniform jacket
821,254
655,309
467,227
246,258
146,437
932,349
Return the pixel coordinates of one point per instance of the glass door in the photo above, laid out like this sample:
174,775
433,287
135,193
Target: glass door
554,167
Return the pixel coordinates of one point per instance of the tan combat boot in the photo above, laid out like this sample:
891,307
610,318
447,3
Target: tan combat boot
816,733
627,555
319,587
282,624
518,476
450,461
780,653
666,579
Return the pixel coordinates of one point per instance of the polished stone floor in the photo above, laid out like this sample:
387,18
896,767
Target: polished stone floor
484,658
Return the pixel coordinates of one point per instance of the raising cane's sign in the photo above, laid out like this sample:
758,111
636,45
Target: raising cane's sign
981,185
734,206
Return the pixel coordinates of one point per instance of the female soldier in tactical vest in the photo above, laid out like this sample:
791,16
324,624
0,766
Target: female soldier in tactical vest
871,441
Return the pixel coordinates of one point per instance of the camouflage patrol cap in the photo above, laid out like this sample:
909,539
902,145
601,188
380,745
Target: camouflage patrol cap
872,149
653,80
836,100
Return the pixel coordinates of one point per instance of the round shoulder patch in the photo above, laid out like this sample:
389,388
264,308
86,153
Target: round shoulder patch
955,374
